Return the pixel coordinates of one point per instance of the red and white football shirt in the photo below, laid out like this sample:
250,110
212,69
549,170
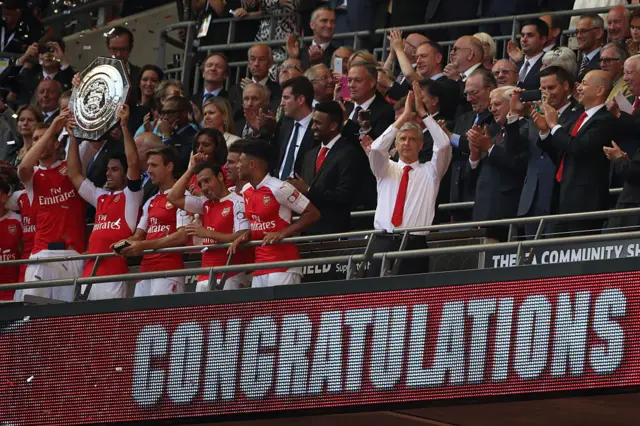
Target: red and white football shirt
270,208
116,217
10,237
60,211
159,219
226,216
21,202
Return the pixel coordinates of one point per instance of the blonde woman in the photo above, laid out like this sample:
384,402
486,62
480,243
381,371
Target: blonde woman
489,46
217,115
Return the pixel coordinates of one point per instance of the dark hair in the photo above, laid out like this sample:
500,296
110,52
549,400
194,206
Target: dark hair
333,110
434,45
435,89
151,67
561,74
541,27
236,147
122,158
183,104
220,150
119,31
300,86
488,79
558,21
203,165
168,154
52,39
5,186
259,149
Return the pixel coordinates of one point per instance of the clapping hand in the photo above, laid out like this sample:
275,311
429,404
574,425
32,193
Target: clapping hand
613,153
539,120
550,115
479,138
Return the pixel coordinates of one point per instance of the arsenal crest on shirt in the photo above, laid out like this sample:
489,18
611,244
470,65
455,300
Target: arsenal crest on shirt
168,205
63,170
266,200
226,211
117,198
13,229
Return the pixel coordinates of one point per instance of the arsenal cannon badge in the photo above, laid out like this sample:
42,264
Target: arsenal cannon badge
105,84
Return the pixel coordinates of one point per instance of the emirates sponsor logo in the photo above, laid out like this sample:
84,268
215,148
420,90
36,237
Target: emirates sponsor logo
163,229
258,225
206,241
28,229
7,255
57,197
104,224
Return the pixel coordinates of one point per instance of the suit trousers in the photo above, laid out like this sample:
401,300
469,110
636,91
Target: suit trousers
390,242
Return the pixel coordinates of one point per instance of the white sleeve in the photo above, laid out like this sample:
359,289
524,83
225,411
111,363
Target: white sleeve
132,207
12,202
379,154
442,150
90,193
290,197
144,220
240,221
194,204
182,218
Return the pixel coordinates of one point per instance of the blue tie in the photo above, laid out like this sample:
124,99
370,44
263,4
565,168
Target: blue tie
289,159
207,96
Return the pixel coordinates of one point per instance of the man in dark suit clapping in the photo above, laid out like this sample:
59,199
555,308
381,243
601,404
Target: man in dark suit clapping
332,172
582,174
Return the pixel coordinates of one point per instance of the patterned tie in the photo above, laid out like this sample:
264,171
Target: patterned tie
524,70
321,156
574,132
583,67
291,153
398,209
246,132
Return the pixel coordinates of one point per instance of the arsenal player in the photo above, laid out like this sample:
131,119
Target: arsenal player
231,167
10,241
117,207
223,218
270,205
60,213
161,226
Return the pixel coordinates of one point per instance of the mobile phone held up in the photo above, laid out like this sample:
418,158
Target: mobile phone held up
531,96
365,115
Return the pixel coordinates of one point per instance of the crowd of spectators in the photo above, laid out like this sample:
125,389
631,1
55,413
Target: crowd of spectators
545,131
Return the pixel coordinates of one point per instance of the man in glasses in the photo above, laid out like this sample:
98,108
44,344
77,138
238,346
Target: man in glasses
505,73
612,57
176,129
589,33
323,84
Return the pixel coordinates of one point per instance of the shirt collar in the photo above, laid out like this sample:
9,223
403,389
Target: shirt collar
471,69
549,48
592,54
262,183
314,103
414,165
366,104
331,143
306,121
53,166
214,92
437,76
262,82
564,108
533,60
322,45
50,113
228,197
593,110
179,132
45,75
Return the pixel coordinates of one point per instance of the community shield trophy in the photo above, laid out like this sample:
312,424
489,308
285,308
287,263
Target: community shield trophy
94,103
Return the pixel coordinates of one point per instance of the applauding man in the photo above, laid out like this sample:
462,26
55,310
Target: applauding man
117,207
223,218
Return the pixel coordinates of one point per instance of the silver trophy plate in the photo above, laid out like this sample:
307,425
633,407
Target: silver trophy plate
105,85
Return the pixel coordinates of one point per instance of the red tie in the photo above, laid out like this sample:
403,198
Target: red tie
398,210
321,156
574,132
636,104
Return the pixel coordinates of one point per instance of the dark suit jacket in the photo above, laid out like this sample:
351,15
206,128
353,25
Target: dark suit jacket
585,179
628,169
235,98
499,176
541,168
198,98
334,187
49,120
532,80
24,81
594,64
382,116
134,77
460,189
283,133
182,141
326,57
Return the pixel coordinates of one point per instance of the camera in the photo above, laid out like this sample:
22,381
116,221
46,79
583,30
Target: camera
531,96
45,48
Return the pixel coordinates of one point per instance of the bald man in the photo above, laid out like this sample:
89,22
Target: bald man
618,24
505,72
582,176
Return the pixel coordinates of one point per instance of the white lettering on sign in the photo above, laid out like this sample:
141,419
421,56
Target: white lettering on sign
479,341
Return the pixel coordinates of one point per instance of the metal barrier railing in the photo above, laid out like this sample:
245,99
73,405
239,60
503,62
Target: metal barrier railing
98,6
370,234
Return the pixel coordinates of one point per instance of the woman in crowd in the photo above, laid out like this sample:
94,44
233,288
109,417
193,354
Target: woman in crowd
217,115
150,77
489,46
633,44
211,144
283,26
28,117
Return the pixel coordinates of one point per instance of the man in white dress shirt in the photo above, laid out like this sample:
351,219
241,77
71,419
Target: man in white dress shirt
407,190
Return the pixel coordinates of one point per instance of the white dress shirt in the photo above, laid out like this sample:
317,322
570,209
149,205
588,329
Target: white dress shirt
532,62
262,82
590,112
467,73
365,107
323,46
305,123
424,180
328,146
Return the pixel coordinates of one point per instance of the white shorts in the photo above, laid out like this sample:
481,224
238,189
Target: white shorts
235,282
159,286
276,278
115,290
51,271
